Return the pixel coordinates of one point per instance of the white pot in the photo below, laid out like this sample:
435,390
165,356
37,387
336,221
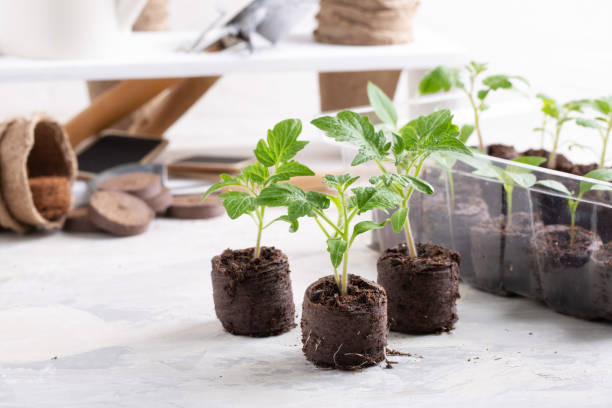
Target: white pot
65,28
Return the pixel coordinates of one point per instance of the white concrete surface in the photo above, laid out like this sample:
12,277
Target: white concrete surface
131,321
95,321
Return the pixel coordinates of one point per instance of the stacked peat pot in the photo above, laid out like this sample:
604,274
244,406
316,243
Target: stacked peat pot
37,169
361,22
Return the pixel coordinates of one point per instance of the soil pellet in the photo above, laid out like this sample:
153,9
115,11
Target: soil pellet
191,206
142,185
119,213
78,220
161,202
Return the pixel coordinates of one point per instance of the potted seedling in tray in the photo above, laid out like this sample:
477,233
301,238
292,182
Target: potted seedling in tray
563,253
477,89
602,123
344,316
252,287
500,244
421,279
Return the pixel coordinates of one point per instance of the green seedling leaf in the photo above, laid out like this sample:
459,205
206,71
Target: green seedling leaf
588,123
440,79
598,174
555,185
602,105
336,248
398,220
289,170
477,67
256,173
237,203
293,224
351,127
365,226
496,82
382,104
226,181
369,198
525,180
530,160
298,202
341,182
281,144
465,133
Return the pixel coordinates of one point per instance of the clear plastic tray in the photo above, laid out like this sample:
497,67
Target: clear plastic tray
532,256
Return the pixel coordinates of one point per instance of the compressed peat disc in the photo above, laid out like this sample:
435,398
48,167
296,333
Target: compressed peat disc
52,196
119,213
78,220
161,202
191,206
142,185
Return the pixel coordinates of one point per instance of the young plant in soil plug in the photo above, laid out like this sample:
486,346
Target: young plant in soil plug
573,202
559,115
252,287
477,90
499,244
344,316
421,279
563,253
602,123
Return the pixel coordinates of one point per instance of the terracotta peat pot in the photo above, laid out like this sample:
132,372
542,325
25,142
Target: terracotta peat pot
500,255
563,270
253,297
423,291
601,274
348,332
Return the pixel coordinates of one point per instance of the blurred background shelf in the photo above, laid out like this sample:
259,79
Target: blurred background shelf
156,55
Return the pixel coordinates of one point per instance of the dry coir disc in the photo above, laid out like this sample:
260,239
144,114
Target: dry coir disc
119,213
142,185
78,220
191,206
161,202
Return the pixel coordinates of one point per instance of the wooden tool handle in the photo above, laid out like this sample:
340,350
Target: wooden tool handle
113,105
179,100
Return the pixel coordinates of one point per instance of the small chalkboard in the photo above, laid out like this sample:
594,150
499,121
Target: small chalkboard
113,149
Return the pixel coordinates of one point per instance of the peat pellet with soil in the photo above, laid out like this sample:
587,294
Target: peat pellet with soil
601,274
253,296
52,196
499,255
191,207
78,220
422,292
563,269
142,185
345,332
119,213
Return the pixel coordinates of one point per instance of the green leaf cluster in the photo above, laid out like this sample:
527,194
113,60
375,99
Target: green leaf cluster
403,148
349,203
604,175
474,86
275,163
